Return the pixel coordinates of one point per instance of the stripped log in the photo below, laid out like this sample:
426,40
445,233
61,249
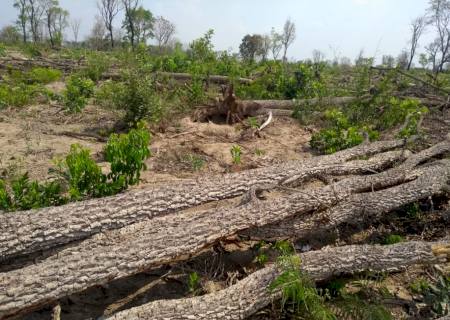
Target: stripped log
26,232
172,238
251,294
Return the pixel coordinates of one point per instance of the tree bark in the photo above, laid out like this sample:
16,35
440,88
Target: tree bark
251,294
26,232
172,238
359,209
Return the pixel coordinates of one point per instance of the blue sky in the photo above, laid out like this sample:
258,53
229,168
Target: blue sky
347,26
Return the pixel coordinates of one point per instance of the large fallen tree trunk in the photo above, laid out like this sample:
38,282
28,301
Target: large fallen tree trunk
27,232
359,209
252,294
171,238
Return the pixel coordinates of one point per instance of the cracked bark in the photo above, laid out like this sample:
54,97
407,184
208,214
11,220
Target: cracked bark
26,232
171,238
251,294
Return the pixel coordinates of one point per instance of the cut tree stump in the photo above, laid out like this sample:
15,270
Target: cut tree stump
27,232
180,236
250,295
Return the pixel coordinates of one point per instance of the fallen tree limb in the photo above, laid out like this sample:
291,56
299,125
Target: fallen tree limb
251,294
26,232
168,239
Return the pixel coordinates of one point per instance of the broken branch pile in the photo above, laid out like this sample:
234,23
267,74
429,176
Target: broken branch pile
137,231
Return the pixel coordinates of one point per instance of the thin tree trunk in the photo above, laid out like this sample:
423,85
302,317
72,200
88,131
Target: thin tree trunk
250,295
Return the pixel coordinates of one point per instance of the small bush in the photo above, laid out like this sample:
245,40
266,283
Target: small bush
77,93
44,75
393,239
97,65
17,95
340,134
126,153
236,153
26,194
108,93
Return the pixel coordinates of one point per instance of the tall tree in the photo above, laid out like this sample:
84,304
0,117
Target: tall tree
129,23
109,10
75,26
10,34
439,13
56,20
164,31
251,47
417,28
35,10
98,33
143,25
289,34
22,20
276,43
265,47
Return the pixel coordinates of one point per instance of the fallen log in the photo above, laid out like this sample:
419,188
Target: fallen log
168,239
251,294
359,209
26,232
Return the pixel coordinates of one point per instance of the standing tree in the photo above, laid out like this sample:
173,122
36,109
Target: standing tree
432,50
109,10
35,10
388,61
22,20
56,21
423,60
265,47
417,28
143,25
129,23
402,60
289,35
98,34
75,27
439,11
276,43
164,31
10,34
251,47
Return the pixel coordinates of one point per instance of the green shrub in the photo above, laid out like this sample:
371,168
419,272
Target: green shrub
126,153
139,100
340,134
194,283
236,153
44,75
97,64
108,93
17,95
84,176
299,291
77,93
26,194
393,239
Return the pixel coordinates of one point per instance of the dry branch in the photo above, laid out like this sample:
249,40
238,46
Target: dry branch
30,231
171,238
251,294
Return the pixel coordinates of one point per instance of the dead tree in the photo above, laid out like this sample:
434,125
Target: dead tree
109,10
417,28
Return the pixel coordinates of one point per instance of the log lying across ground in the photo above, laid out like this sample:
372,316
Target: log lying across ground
26,232
167,239
251,294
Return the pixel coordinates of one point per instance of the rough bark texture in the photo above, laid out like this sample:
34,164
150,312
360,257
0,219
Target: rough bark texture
167,239
26,232
359,208
251,294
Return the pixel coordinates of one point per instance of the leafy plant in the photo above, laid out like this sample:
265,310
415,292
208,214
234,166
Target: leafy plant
236,153
44,75
393,239
195,161
437,296
26,194
253,122
194,283
126,153
419,286
77,93
298,290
